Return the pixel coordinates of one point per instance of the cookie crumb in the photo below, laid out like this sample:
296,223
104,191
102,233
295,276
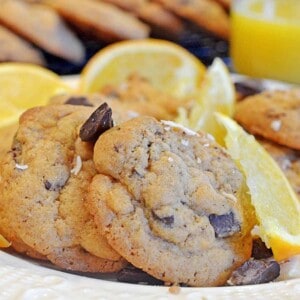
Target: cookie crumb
175,125
184,142
276,125
78,166
170,159
229,196
210,137
21,167
174,289
199,161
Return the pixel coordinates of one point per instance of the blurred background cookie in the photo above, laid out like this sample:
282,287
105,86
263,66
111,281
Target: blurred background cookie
78,29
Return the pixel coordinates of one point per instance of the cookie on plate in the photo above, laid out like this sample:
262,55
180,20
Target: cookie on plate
274,115
100,19
44,180
42,26
207,14
168,200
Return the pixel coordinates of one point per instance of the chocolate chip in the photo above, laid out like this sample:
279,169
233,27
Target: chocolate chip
255,271
245,89
260,250
78,101
224,225
131,274
47,185
169,220
99,121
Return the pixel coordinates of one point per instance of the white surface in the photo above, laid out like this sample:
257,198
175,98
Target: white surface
25,279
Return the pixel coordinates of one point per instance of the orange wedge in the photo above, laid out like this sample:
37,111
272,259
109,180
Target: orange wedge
277,207
216,94
23,86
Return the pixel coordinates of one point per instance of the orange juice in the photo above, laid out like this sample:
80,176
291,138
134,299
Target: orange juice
265,38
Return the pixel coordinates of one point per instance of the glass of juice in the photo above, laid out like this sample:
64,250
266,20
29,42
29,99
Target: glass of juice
265,38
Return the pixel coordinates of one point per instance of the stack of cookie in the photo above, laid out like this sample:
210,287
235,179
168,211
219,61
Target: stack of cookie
93,189
274,118
42,31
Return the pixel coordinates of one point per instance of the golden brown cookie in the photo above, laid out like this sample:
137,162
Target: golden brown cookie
162,21
100,19
42,26
274,115
225,3
138,95
44,181
207,14
168,200
14,48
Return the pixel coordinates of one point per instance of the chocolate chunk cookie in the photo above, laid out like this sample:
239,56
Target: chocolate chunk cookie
44,180
274,115
169,201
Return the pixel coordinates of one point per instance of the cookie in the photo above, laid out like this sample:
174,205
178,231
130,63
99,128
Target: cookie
274,115
161,20
168,200
207,14
139,95
225,3
99,19
288,161
42,26
44,180
121,112
14,48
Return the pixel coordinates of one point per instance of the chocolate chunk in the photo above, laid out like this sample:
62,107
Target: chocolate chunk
260,250
47,185
99,121
131,274
224,225
255,271
78,101
245,89
169,220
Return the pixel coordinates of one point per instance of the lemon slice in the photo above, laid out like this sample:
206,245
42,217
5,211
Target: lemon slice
217,94
23,86
3,242
166,65
276,205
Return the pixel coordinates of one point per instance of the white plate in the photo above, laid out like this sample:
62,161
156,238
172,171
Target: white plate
25,279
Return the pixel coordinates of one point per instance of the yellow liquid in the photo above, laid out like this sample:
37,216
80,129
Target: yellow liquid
266,43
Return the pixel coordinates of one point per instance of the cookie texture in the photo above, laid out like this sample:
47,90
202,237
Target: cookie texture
138,94
288,160
168,200
44,180
274,115
205,13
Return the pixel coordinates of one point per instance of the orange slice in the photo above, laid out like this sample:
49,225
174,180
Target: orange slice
276,205
166,65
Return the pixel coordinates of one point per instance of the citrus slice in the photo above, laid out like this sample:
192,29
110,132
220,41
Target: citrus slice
166,65
216,94
23,86
3,242
276,205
